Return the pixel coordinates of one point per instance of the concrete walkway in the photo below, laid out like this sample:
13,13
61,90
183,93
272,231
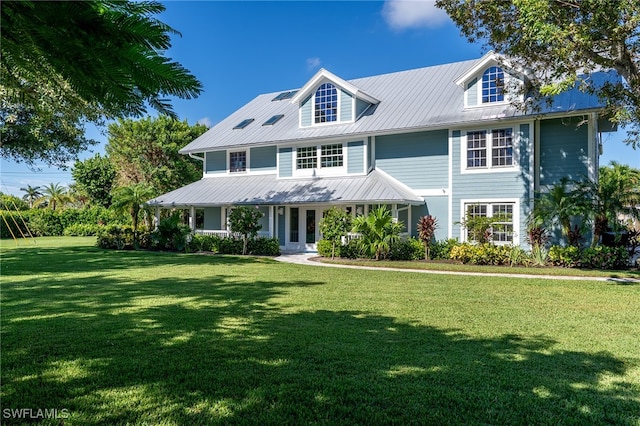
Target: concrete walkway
306,259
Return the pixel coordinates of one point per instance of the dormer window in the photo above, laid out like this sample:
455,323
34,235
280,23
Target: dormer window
326,104
493,85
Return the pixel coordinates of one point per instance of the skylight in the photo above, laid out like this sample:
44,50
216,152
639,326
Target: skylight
273,120
244,123
284,95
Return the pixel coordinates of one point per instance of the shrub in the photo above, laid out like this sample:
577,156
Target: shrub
117,237
410,249
481,254
325,247
230,245
264,247
204,243
171,234
602,257
351,250
81,230
46,223
426,229
568,257
442,249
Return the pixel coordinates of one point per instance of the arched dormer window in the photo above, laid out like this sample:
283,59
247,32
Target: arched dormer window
493,85
326,103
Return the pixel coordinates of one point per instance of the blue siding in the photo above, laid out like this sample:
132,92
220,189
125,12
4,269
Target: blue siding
437,207
370,159
355,157
305,112
472,92
212,218
346,106
264,220
263,158
418,160
285,162
564,148
216,162
492,186
361,106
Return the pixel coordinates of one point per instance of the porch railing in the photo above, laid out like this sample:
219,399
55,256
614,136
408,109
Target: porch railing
225,234
356,235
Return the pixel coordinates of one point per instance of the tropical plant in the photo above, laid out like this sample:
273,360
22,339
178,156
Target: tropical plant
53,195
334,225
171,233
557,207
32,194
562,43
11,202
426,230
378,232
244,219
95,177
616,193
105,59
131,199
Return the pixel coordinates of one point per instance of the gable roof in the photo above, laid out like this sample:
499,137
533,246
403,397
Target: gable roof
412,100
324,75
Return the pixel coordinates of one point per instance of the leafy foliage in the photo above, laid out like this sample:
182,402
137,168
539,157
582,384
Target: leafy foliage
54,195
146,150
379,232
31,194
11,202
334,225
95,176
171,233
66,63
131,199
244,219
409,249
482,254
562,43
600,257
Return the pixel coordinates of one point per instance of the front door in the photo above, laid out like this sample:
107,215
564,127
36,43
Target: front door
310,229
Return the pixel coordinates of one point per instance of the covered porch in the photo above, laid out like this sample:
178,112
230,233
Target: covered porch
291,208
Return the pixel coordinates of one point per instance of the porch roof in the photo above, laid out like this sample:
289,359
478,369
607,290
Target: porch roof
269,190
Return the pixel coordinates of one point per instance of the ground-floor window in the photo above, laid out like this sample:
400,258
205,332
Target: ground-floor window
499,230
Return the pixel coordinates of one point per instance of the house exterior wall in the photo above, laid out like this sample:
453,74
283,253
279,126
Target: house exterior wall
346,106
306,112
355,157
215,162
472,92
285,162
419,160
213,218
564,150
499,186
263,159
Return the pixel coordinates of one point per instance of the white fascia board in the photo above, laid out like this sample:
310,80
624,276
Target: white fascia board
489,57
323,74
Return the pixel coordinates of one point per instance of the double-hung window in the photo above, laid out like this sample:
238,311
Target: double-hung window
488,149
238,161
499,226
330,155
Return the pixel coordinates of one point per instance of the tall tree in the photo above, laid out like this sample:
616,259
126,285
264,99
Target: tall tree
146,150
131,199
54,195
95,177
562,43
32,193
64,63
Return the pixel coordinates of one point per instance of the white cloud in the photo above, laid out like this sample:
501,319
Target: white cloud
313,63
206,121
405,14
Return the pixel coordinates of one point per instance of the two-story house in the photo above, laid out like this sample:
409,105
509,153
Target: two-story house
443,140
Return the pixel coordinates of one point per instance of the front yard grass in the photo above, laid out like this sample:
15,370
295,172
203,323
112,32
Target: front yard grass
117,337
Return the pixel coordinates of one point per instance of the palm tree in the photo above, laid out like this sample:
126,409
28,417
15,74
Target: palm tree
54,195
32,194
378,232
131,199
616,193
557,207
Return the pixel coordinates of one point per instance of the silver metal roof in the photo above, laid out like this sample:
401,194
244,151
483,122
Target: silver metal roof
269,190
416,99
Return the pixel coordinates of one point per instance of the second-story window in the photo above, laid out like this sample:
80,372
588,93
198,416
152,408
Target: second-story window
238,161
326,103
330,155
307,157
493,85
490,149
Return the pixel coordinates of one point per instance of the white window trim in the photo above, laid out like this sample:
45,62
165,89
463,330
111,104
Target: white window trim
248,160
320,171
516,217
464,169
508,97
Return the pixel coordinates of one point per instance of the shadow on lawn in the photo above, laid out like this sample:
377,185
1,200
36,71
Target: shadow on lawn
222,350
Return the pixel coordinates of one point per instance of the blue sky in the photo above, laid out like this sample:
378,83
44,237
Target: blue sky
241,49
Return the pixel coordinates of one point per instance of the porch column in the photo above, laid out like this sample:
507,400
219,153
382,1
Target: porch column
156,218
192,218
272,218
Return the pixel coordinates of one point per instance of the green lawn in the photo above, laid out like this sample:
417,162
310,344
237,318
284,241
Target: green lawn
158,338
